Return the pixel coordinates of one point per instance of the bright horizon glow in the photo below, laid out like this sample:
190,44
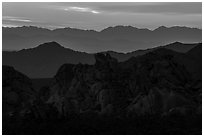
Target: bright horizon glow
60,27
100,15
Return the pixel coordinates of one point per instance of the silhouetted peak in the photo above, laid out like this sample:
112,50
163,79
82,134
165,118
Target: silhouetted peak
28,28
73,30
161,28
176,28
48,45
119,28
176,43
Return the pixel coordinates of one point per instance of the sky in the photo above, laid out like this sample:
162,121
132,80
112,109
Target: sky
97,15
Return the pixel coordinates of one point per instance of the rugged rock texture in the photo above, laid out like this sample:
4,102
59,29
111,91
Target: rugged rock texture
160,82
156,93
21,101
17,92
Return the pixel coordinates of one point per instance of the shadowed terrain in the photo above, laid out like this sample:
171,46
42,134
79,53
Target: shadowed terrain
102,68
158,92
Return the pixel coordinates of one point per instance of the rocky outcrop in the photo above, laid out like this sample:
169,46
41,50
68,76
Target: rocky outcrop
17,92
155,83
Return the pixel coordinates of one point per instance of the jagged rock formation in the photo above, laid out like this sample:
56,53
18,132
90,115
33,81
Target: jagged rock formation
17,92
159,82
159,92
20,100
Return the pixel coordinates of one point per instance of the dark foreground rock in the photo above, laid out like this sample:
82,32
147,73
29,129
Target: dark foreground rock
17,92
158,83
156,93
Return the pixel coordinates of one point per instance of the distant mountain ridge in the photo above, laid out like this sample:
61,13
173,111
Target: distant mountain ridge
118,38
44,60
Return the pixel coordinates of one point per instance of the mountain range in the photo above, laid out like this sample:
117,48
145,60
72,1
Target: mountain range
44,60
118,38
159,92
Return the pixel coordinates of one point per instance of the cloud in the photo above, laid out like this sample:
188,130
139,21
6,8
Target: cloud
176,8
18,19
73,7
153,8
81,9
97,15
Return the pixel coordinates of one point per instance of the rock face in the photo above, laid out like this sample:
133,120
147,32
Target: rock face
17,92
155,83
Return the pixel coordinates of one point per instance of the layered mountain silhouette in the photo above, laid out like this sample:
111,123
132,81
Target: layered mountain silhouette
44,60
121,80
161,88
118,38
